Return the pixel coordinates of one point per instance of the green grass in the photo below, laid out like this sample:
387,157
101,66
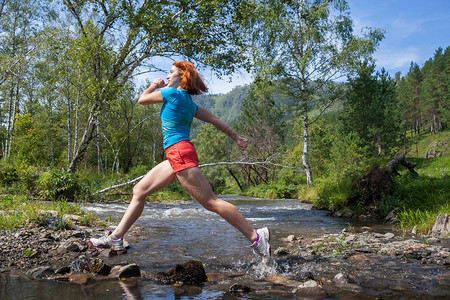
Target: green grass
422,198
19,211
427,142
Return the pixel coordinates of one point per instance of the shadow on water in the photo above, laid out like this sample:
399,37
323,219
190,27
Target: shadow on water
166,235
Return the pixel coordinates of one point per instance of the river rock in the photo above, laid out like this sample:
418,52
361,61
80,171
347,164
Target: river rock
303,276
190,272
80,278
282,251
290,239
79,264
358,257
216,277
441,227
63,270
52,222
41,272
98,266
128,271
310,289
391,217
342,278
389,235
239,288
283,280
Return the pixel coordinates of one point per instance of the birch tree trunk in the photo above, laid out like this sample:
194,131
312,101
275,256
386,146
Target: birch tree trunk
9,124
99,153
87,137
305,162
75,142
69,127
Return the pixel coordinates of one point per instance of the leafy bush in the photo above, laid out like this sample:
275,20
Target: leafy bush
420,197
277,189
137,171
58,185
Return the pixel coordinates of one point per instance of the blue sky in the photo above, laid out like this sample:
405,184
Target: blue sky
414,29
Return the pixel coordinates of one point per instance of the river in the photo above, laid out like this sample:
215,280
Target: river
167,234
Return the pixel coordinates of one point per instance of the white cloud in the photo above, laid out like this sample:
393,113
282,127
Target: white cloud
224,85
395,59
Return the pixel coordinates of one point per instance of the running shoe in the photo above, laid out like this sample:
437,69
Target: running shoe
108,241
261,246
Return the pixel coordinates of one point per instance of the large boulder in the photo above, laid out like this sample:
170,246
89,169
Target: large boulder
190,272
441,227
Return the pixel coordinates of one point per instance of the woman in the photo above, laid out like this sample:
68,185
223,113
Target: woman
177,113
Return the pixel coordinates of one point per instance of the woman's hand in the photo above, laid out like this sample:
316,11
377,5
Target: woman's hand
151,95
242,143
159,82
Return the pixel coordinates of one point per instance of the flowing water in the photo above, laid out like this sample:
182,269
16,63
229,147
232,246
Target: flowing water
169,234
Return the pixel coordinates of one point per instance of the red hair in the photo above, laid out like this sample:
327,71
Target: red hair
191,80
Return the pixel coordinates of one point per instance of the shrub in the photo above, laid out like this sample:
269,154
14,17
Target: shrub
56,184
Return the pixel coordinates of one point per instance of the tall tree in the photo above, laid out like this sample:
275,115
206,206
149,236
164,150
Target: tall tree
17,30
371,110
261,120
120,36
435,89
308,43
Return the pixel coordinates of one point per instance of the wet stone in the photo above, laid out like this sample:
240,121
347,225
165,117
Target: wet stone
98,266
239,288
310,289
63,270
342,278
41,272
303,276
190,272
128,271
282,280
389,235
79,264
80,278
281,251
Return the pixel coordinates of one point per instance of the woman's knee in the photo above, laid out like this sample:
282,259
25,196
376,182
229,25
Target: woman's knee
217,205
139,193
211,205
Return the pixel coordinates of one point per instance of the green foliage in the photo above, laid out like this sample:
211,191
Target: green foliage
421,198
54,184
372,111
19,211
213,146
424,94
278,189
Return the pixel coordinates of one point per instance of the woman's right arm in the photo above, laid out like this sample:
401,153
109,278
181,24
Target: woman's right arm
206,116
151,95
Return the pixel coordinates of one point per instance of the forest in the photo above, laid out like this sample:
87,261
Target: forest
319,115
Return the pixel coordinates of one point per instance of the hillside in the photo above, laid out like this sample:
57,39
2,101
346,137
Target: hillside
225,106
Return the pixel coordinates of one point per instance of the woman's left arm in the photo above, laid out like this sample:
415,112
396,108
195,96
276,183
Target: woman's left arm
206,116
151,95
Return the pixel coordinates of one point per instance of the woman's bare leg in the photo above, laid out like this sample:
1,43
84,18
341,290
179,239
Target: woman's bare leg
197,185
159,177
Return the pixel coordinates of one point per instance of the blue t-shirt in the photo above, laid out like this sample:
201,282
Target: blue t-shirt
176,115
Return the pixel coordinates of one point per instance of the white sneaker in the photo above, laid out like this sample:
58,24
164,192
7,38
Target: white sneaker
108,241
261,246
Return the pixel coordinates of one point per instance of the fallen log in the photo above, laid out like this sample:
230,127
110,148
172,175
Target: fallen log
261,164
400,160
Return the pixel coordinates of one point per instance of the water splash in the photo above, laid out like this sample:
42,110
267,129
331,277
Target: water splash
265,268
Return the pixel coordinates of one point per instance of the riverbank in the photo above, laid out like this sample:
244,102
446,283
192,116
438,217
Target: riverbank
353,262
